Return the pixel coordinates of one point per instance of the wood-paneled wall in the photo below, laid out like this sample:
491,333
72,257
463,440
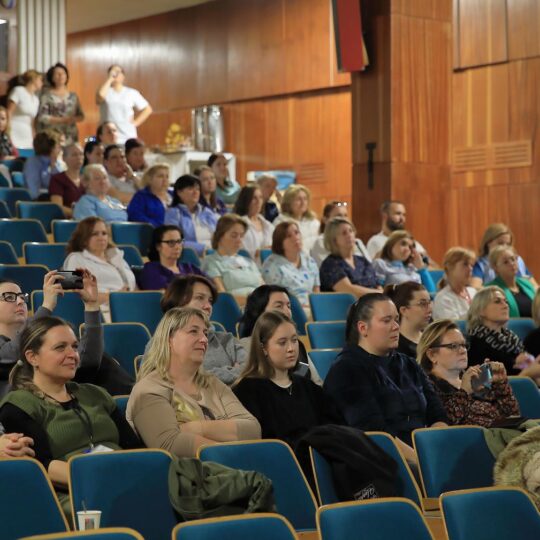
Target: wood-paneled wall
270,64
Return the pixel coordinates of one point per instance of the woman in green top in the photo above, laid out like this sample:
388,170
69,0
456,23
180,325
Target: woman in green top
62,417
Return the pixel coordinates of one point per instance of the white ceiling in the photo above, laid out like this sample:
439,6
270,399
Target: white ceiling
86,14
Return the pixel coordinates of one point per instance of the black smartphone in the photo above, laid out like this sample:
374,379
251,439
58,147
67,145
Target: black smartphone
72,279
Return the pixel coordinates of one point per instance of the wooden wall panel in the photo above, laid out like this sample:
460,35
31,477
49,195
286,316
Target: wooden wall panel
425,9
523,28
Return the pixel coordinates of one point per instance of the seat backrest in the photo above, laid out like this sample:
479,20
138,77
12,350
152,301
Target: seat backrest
380,519
226,311
330,306
218,327
69,307
462,325
522,327
27,499
121,403
326,335
322,472
527,395
109,533
50,255
136,306
453,458
131,255
29,277
4,210
503,513
11,195
189,256
323,359
7,253
136,234
265,253
129,487
125,341
273,458
20,231
298,314
259,526
44,212
62,229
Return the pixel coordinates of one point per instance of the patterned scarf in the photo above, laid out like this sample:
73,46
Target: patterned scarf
500,340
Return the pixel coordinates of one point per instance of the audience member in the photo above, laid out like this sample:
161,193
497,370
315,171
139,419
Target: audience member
175,405
497,234
93,153
135,149
227,188
23,106
209,198
124,106
455,296
442,353
532,341
14,445
259,231
332,210
519,291
343,270
124,183
231,272
7,148
268,185
295,206
164,266
289,266
39,168
90,247
196,222
149,204
375,387
400,261
286,405
107,134
59,108
413,304
66,188
96,201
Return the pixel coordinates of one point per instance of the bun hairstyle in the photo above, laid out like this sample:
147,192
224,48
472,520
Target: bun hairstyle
361,310
403,293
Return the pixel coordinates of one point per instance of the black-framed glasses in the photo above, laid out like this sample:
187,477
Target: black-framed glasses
12,297
172,243
455,347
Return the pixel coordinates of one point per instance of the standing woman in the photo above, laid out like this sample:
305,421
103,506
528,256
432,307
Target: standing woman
23,106
227,188
66,188
259,231
209,197
59,108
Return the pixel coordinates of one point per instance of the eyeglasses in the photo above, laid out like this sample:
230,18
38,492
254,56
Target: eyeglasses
12,297
454,347
424,304
172,243
339,203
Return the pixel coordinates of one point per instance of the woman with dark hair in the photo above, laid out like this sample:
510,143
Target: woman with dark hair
375,387
124,183
93,153
164,266
135,149
227,188
286,405
259,231
196,222
209,198
59,108
107,134
66,188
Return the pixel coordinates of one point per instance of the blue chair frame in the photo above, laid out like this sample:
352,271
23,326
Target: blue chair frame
132,254
69,307
226,311
527,394
11,195
29,277
330,306
323,359
4,211
20,231
50,255
7,253
521,326
326,335
62,229
44,212
136,306
135,234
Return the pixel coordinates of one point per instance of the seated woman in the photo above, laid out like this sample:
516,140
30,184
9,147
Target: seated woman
289,266
273,298
90,247
259,231
295,207
175,405
375,387
532,341
455,297
271,196
519,291
414,307
96,201
93,153
227,189
209,198
225,356
344,271
491,340
62,417
442,353
135,149
196,222
66,188
13,445
39,168
150,203
231,272
400,261
497,234
164,254
107,134
124,183
332,210
286,405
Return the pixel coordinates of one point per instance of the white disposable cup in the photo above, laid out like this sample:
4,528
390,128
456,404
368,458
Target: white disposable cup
89,519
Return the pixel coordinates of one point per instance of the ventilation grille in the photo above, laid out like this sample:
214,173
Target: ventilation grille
495,156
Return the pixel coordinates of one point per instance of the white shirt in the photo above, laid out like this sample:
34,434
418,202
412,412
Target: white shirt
308,227
255,240
23,117
202,232
377,241
319,252
119,107
449,305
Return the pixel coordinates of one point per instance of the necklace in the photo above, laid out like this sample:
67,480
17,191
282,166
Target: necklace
288,387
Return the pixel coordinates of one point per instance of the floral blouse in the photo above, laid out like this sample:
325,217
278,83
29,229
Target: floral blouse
52,105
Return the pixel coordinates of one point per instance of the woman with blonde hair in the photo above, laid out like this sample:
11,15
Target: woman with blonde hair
295,206
149,204
455,297
532,341
209,198
175,405
497,234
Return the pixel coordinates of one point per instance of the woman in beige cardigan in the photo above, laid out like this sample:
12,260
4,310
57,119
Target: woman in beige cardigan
175,405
